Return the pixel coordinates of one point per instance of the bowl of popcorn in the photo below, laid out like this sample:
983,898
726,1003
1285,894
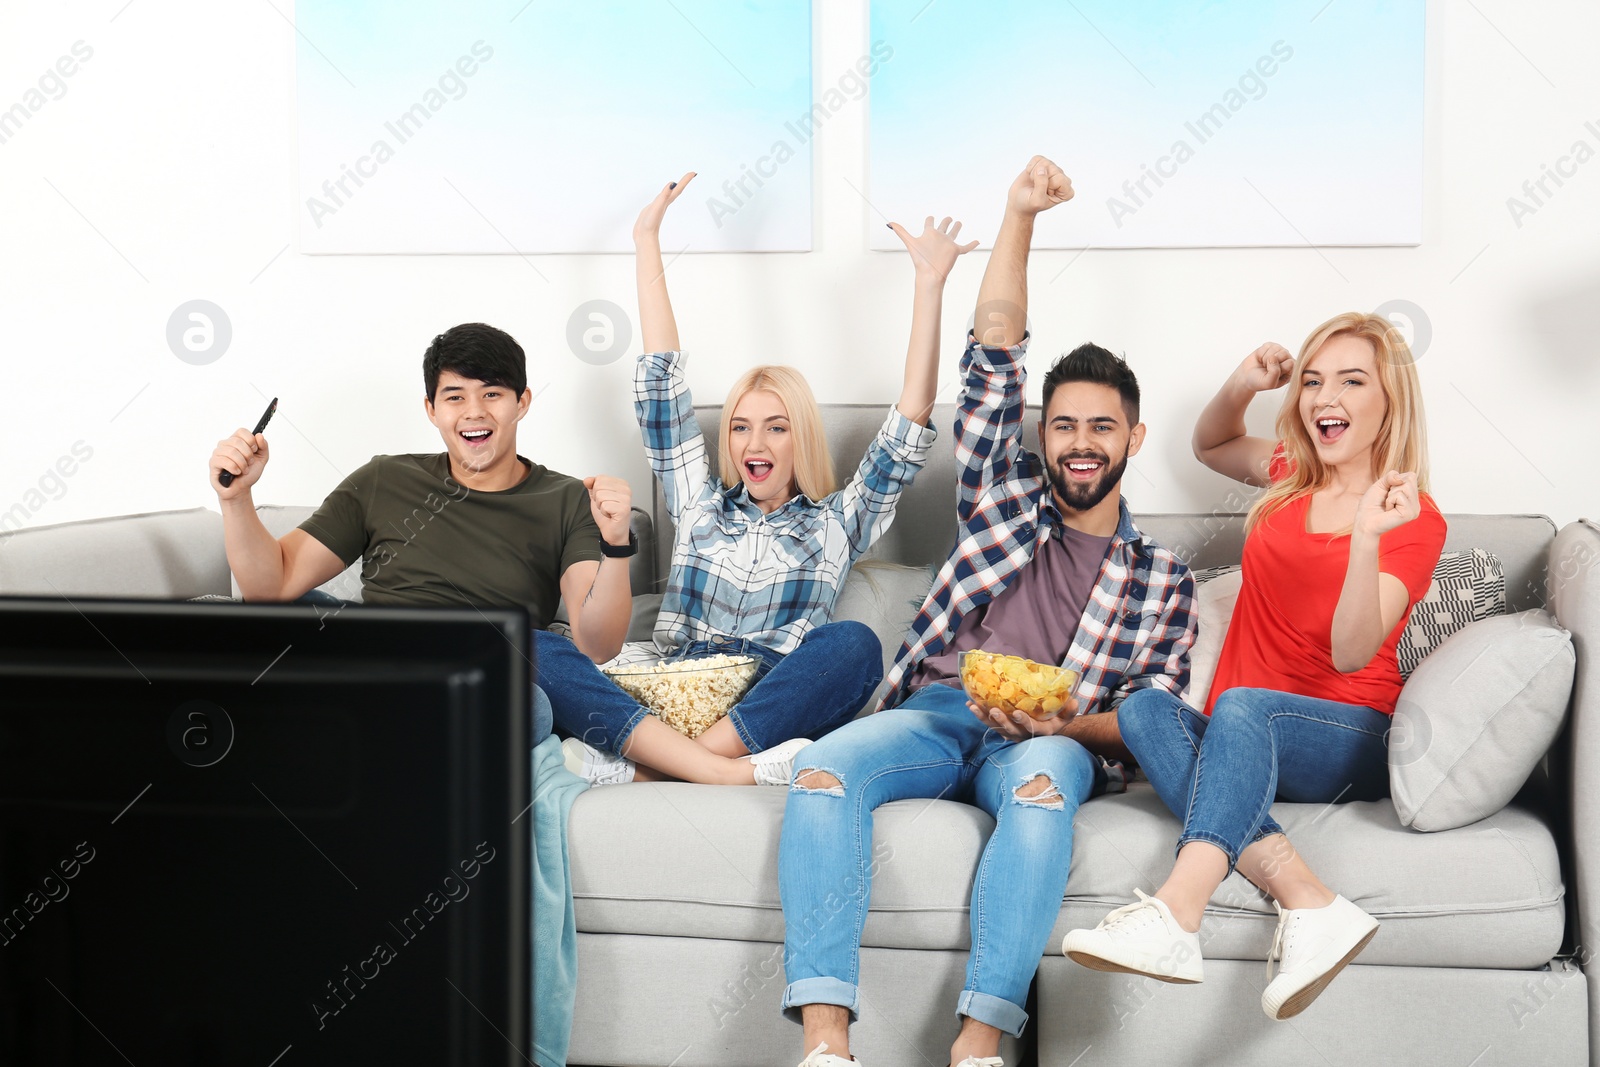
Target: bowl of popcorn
1011,684
689,695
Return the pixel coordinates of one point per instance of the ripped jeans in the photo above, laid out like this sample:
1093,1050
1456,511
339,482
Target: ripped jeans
929,747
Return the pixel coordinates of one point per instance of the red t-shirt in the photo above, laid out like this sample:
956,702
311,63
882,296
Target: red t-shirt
1280,636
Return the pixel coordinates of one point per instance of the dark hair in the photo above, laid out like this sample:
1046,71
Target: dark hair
474,350
1091,363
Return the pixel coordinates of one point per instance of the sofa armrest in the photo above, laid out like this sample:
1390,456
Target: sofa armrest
1574,586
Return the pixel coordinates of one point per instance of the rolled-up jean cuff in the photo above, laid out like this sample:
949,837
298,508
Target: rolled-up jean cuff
1210,839
992,1011
797,995
620,742
738,728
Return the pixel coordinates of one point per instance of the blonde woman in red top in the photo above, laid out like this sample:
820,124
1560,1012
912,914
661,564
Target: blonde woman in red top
1338,548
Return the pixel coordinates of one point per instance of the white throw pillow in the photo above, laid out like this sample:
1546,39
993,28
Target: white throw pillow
1216,590
1476,717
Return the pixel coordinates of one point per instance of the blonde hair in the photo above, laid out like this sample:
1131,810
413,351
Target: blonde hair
1401,444
813,466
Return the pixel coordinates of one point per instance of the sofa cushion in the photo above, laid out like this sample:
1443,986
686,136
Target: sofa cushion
1476,717
884,597
642,623
162,555
702,861
1487,895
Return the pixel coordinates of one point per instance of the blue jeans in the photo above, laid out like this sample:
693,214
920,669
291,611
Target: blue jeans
820,685
929,747
1221,775
543,721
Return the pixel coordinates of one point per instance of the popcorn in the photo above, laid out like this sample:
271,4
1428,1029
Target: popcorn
688,695
1011,683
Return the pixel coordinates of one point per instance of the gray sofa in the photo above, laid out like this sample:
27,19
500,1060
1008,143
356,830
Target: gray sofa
1480,960
1477,962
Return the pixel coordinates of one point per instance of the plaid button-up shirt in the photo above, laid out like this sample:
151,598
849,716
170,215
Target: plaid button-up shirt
1139,623
736,571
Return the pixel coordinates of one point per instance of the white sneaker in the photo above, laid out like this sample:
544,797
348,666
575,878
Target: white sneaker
1312,946
775,766
593,765
1139,938
985,1061
820,1057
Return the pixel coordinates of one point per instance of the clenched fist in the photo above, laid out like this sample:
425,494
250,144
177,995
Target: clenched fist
1268,367
1040,186
610,502
244,455
1391,502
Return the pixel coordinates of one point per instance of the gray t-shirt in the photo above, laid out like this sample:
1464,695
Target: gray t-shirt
1035,617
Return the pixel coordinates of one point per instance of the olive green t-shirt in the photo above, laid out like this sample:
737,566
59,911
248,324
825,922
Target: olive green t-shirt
424,538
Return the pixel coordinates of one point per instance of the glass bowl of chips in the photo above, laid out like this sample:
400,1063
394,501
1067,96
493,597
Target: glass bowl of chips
1010,684
689,695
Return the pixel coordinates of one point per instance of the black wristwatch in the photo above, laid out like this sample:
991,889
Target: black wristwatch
611,551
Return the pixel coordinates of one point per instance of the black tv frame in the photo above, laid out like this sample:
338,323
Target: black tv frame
212,816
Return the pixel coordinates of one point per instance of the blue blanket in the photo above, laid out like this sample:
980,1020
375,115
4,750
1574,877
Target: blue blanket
555,931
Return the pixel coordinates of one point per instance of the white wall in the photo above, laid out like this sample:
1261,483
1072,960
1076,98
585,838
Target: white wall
164,174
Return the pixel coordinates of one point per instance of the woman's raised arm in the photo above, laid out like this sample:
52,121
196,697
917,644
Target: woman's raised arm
1221,441
933,253
657,328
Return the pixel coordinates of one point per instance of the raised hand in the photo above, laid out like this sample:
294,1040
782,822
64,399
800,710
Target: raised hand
1040,186
648,225
244,455
610,502
1391,502
1268,367
934,252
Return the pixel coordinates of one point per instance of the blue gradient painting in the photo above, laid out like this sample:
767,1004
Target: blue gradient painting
1180,122
501,126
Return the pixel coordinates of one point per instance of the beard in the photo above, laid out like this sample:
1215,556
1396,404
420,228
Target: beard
1081,496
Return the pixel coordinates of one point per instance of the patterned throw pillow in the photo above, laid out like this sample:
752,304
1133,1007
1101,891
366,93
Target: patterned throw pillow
1467,587
1202,575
